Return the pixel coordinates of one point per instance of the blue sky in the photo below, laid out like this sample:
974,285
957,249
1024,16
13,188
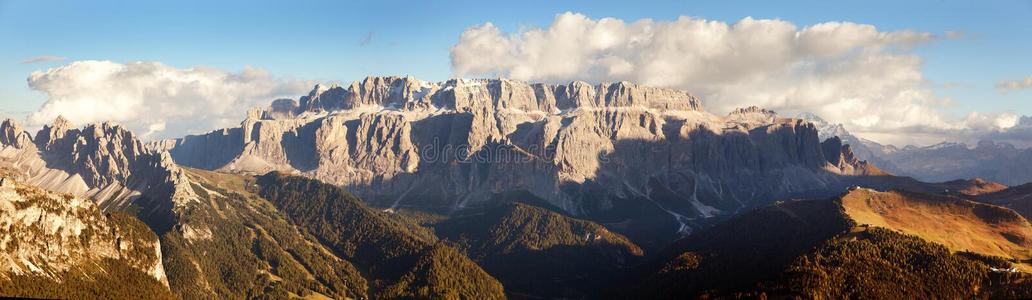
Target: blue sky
324,41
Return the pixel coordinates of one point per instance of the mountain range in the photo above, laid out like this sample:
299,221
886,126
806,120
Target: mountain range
393,187
595,151
994,161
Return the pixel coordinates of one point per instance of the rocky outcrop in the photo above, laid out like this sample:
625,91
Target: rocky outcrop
592,150
101,161
841,157
863,149
53,235
12,134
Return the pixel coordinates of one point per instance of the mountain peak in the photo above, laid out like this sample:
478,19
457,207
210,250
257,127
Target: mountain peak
826,130
12,134
61,122
947,145
812,117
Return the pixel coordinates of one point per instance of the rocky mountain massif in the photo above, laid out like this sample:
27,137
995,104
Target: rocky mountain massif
101,161
648,159
218,238
994,161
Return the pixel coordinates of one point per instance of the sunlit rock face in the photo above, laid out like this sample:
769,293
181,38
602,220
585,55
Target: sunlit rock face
587,149
103,162
53,235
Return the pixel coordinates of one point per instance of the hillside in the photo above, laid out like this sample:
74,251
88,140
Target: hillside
818,248
538,252
399,258
958,224
1018,198
232,243
59,246
972,187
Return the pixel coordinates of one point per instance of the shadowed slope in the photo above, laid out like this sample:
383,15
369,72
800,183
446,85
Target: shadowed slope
401,259
1018,198
535,251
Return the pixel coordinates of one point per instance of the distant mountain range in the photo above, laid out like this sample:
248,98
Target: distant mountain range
394,187
995,161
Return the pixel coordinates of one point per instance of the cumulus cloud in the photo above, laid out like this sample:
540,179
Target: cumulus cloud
1007,85
848,73
42,58
153,99
1019,132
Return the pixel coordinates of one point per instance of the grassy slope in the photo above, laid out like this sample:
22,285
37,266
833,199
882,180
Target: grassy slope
958,224
972,187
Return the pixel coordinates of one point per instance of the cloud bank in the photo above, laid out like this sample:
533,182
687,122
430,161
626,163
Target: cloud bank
1007,85
42,58
153,99
848,73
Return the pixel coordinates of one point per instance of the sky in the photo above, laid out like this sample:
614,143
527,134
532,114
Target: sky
916,72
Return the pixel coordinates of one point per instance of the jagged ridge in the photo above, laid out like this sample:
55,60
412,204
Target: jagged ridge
460,142
103,162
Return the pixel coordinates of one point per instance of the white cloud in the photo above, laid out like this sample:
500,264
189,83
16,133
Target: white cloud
845,72
1019,131
1007,85
42,58
153,99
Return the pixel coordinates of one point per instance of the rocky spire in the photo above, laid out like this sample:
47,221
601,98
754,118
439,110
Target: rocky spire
52,134
12,134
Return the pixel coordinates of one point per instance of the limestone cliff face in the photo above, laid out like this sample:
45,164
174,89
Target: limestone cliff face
588,149
52,235
101,161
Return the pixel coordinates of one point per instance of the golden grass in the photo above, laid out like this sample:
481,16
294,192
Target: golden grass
232,182
313,296
951,222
